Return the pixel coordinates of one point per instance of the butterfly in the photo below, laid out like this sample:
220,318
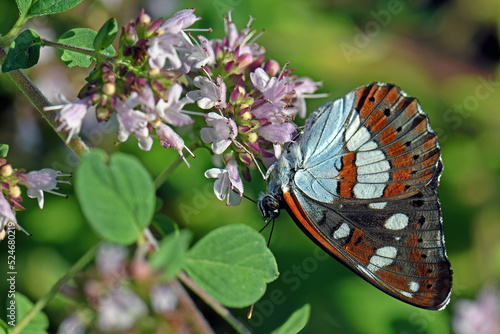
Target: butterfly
361,182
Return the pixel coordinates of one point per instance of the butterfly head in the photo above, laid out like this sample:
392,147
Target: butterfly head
269,207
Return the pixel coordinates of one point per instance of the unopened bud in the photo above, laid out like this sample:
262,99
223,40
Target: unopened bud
6,170
252,137
246,116
14,192
109,88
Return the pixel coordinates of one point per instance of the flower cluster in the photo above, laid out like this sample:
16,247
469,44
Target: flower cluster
248,102
480,316
36,183
124,295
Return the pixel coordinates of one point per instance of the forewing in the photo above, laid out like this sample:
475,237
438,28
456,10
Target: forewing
398,247
373,144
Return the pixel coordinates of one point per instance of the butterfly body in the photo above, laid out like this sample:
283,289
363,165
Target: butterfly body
361,182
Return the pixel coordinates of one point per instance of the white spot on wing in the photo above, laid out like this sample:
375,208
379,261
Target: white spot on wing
384,256
342,231
368,190
369,157
352,127
397,221
414,286
374,178
359,138
371,145
406,294
377,167
378,205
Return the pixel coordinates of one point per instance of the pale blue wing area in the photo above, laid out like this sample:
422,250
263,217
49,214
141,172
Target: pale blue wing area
322,148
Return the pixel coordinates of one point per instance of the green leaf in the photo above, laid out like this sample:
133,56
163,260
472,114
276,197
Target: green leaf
82,38
171,252
23,6
164,224
23,305
233,264
45,7
106,35
117,198
4,149
296,322
23,52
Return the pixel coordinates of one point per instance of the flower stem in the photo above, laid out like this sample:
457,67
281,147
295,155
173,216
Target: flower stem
170,169
186,301
42,302
87,52
6,39
39,101
221,310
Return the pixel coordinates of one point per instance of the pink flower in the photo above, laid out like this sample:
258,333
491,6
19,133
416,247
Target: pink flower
222,132
480,316
180,21
242,40
303,87
163,299
227,183
171,110
211,94
133,121
168,138
119,309
71,115
6,213
165,46
43,180
274,89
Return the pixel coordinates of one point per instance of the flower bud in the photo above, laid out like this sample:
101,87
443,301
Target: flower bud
252,137
109,88
15,192
6,170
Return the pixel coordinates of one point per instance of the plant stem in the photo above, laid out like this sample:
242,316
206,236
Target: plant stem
69,47
39,101
42,302
186,301
7,38
221,310
170,169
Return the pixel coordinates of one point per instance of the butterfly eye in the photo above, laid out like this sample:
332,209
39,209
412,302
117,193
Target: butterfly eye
269,207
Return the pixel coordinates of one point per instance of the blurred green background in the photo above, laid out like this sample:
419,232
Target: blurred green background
445,52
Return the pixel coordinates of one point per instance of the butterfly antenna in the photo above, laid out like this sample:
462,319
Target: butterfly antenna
270,234
267,223
248,198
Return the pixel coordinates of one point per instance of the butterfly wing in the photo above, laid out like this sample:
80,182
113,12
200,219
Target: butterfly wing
370,199
375,143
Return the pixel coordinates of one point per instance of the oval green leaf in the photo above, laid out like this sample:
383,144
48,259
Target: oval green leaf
170,254
37,325
24,51
296,322
82,38
45,7
233,264
106,35
4,150
117,198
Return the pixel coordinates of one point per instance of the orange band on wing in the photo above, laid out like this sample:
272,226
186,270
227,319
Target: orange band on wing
301,217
